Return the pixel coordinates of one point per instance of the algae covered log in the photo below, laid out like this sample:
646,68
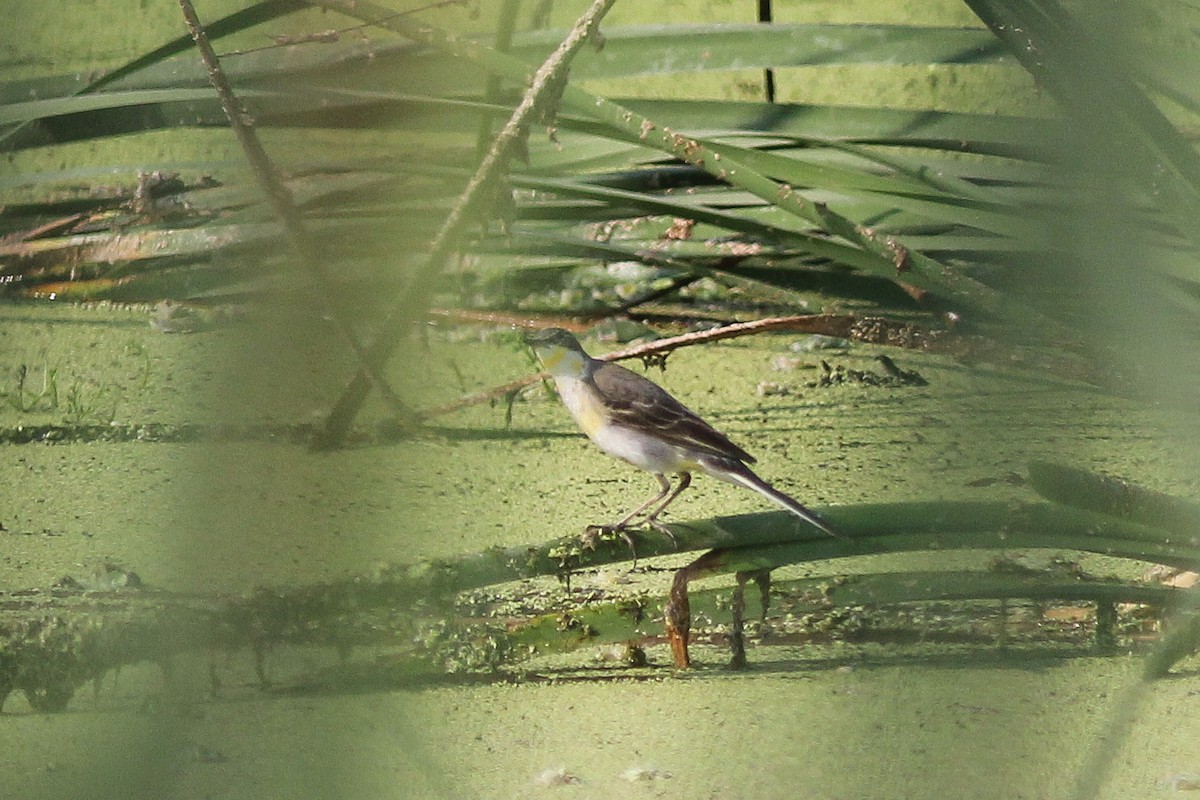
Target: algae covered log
54,640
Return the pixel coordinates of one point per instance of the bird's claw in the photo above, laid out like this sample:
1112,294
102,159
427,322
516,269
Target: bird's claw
590,536
664,530
594,533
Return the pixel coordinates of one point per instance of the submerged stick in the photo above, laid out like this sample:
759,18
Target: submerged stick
52,641
623,619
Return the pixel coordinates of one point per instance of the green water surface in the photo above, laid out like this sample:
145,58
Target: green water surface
834,720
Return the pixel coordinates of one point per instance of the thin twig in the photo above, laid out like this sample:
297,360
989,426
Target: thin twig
544,88
307,248
869,330
828,324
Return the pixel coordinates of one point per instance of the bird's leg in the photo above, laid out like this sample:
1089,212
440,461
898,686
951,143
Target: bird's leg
665,486
619,526
685,480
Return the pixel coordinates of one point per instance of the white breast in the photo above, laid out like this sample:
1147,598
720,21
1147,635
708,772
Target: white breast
627,444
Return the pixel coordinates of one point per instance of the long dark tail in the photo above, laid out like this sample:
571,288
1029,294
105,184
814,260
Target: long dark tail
743,476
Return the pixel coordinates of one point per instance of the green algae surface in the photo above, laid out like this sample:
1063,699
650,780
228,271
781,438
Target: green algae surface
244,506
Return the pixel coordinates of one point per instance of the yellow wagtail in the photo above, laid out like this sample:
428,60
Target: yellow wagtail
635,420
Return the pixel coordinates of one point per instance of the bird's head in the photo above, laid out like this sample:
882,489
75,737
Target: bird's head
558,350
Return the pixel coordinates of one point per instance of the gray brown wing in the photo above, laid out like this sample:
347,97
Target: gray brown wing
634,400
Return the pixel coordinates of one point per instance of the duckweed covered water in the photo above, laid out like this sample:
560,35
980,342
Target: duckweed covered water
229,513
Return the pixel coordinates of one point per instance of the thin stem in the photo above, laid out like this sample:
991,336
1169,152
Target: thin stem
307,249
540,98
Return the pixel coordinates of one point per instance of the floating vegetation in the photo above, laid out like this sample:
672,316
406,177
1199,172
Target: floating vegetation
891,376
478,613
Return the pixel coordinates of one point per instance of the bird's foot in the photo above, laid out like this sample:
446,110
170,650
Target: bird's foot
664,530
594,533
590,536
